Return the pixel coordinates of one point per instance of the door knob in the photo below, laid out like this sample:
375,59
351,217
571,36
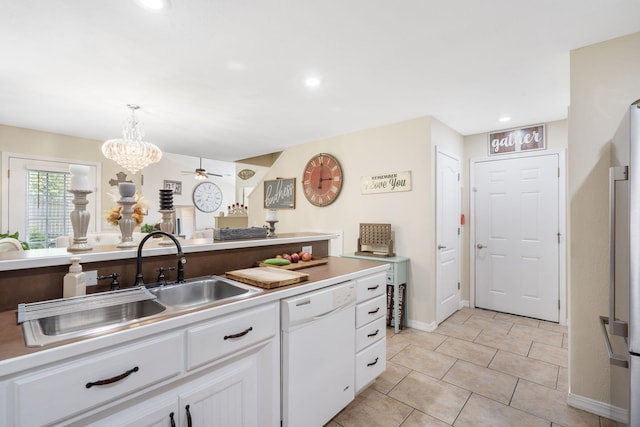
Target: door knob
441,247
480,246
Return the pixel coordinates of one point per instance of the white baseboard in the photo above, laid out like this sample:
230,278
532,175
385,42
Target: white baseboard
599,408
463,303
427,327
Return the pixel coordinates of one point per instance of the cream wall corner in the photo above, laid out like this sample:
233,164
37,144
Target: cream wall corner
405,146
604,81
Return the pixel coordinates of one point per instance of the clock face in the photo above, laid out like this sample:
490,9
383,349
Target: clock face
322,179
207,196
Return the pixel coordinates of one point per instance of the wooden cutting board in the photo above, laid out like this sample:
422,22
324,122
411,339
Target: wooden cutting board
298,265
267,277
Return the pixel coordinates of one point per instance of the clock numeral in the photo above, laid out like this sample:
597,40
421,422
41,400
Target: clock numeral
334,189
336,178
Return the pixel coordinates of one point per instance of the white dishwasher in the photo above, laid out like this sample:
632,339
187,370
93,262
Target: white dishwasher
318,366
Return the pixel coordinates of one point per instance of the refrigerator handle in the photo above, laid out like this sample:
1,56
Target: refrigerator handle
616,327
614,359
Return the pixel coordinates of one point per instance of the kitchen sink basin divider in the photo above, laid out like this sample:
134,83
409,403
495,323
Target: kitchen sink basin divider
43,309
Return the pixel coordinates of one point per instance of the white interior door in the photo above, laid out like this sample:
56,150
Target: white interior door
448,235
517,236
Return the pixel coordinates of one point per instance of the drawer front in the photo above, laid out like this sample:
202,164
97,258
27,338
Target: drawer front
369,311
373,332
54,394
370,286
230,334
370,363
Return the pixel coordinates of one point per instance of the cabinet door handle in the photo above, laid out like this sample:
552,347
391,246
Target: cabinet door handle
173,422
189,422
239,334
114,379
373,363
373,334
375,311
373,288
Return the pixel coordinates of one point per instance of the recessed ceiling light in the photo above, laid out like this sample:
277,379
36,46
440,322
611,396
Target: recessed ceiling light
155,5
504,119
312,81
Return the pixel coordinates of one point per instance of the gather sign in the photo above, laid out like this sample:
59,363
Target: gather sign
517,140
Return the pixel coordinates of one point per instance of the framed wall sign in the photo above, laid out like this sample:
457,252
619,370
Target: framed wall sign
393,182
517,140
176,186
280,193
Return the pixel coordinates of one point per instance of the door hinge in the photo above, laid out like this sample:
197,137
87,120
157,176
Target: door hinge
558,172
558,304
458,285
458,231
458,176
558,237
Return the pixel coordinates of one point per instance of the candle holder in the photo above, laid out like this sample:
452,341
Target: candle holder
80,221
271,228
167,225
126,222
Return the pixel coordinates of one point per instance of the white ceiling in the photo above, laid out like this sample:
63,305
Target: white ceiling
223,79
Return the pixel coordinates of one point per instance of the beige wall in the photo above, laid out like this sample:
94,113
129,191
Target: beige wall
408,145
605,79
475,147
27,141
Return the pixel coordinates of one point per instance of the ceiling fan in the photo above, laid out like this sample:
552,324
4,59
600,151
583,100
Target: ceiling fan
200,173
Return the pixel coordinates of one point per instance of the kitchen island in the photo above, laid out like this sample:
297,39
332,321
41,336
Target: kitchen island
175,368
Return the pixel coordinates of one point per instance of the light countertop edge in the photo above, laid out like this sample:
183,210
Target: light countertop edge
36,258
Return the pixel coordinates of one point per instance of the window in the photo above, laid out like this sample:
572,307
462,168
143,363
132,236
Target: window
48,208
36,201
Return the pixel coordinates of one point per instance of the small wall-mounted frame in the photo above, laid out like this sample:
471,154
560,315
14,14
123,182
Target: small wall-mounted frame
176,186
280,193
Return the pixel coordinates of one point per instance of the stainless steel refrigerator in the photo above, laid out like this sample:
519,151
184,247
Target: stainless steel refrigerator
621,329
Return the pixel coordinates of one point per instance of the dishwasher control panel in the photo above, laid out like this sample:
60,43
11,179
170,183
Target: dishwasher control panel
315,304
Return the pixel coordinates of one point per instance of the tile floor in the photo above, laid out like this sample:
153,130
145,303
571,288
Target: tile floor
479,368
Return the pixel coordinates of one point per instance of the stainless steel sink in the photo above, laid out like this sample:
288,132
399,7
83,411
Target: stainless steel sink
202,291
89,321
49,322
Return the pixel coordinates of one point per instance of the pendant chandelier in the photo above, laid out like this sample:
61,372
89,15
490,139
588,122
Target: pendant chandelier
131,152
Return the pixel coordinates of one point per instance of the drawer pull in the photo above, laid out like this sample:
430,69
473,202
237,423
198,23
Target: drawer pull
373,363
373,334
173,423
189,422
373,288
239,334
375,311
114,379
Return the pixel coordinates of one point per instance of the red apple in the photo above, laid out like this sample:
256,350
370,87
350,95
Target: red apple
306,256
295,257
278,256
286,256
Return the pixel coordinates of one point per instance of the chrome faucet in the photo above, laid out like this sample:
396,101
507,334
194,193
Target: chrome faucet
181,259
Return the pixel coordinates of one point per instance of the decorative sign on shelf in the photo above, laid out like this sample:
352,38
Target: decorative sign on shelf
386,183
280,193
517,140
176,186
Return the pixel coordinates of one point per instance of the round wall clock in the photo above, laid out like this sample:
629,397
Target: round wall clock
207,196
322,179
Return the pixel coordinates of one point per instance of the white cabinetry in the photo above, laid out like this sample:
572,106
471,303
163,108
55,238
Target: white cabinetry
370,326
224,371
53,394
